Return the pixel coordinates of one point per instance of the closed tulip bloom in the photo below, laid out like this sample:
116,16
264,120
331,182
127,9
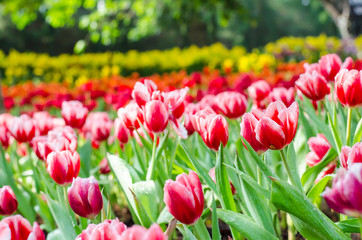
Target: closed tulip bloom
35,143
74,114
63,166
22,128
18,228
123,134
329,66
351,155
184,198
247,130
175,101
4,137
286,95
313,85
137,232
43,122
85,197
142,92
97,126
319,147
259,90
8,202
212,128
345,196
107,230
348,87
156,115
104,166
131,115
231,104
277,128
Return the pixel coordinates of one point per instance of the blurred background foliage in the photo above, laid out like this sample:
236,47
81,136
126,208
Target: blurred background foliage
64,26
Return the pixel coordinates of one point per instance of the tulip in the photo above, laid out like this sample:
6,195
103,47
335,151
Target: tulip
231,104
131,115
174,100
85,197
4,137
35,143
8,202
18,228
104,166
247,130
329,66
319,147
313,85
278,126
348,87
137,232
350,155
286,95
122,132
190,110
156,116
74,113
22,128
107,230
142,92
184,198
345,196
259,90
43,122
212,127
63,166
97,126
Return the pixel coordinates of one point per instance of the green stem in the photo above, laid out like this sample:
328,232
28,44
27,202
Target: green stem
201,230
349,119
287,168
360,225
152,166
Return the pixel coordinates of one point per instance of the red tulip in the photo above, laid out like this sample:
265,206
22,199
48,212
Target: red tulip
259,90
278,126
212,127
174,100
131,115
22,128
137,232
97,127
85,197
18,228
107,230
184,198
231,104
329,66
247,130
43,122
63,166
345,196
156,115
74,113
319,147
350,155
8,202
104,166
313,85
348,87
122,132
142,92
286,95
35,142
4,137
190,110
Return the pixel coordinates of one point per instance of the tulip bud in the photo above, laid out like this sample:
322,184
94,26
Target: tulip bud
137,232
277,128
63,166
104,166
22,128
313,85
122,132
231,104
18,228
8,202
107,230
74,113
142,92
184,198
156,116
348,87
345,196
85,197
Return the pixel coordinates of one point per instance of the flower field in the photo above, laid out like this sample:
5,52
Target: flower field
200,143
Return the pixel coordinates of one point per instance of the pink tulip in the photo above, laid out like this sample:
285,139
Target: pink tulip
247,130
104,166
259,90
231,104
142,92
107,230
63,166
319,147
184,198
313,85
137,232
122,132
22,128
174,100
286,95
329,66
8,202
74,113
43,122
348,87
85,197
278,126
4,137
156,116
97,126
18,228
350,155
131,115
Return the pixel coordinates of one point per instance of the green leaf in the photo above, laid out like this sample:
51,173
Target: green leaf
349,225
164,217
287,198
186,233
336,135
358,133
317,189
146,192
215,222
85,153
63,219
292,162
55,235
245,225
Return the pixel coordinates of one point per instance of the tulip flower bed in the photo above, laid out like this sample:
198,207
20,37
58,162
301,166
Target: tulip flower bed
242,158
